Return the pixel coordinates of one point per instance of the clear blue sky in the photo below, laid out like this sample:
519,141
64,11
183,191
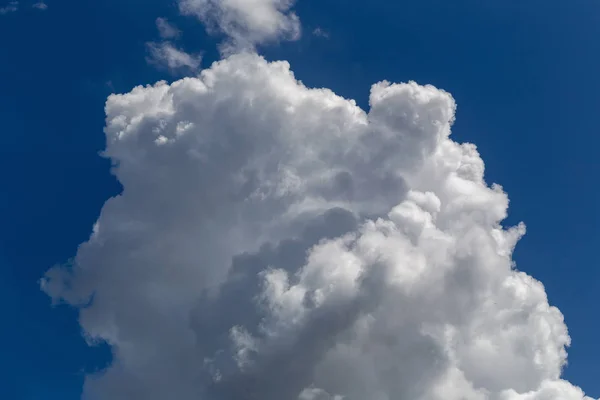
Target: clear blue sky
524,74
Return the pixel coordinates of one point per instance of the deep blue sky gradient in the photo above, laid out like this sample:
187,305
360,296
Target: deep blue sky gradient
524,73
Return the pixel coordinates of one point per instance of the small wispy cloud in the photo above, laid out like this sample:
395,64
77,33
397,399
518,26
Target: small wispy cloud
40,6
320,32
166,55
12,7
166,30
246,23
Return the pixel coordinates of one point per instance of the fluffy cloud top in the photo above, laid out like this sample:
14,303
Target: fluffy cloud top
277,242
246,22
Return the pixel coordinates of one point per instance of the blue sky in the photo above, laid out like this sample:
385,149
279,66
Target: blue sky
524,74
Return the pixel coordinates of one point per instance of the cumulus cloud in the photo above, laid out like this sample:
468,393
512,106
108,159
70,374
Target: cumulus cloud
11,7
277,242
246,22
166,29
166,55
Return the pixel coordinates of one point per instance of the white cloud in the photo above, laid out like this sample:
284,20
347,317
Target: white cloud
276,242
165,54
40,6
12,7
166,29
246,22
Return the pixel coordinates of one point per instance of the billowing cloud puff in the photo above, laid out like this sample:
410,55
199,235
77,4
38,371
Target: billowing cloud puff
277,242
246,22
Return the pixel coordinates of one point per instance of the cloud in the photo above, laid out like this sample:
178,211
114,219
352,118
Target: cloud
277,242
319,32
12,7
166,30
166,55
246,23
40,6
